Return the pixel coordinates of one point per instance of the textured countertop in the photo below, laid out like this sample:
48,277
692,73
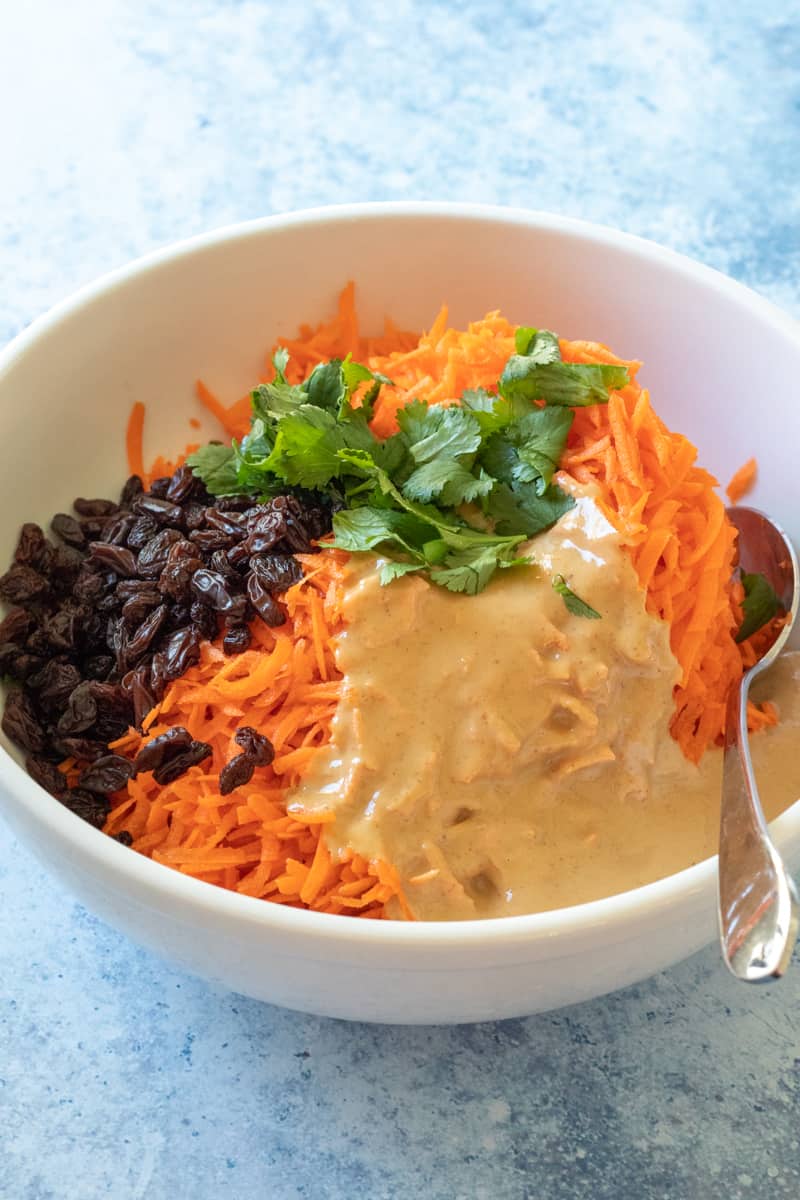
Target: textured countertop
125,127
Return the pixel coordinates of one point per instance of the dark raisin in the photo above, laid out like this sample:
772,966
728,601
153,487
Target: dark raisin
118,559
16,625
237,638
55,683
124,838
238,556
87,805
141,693
153,556
146,633
278,571
62,629
80,712
133,488
21,724
33,548
181,650
94,528
266,532
181,485
205,620
256,744
26,664
174,767
159,486
22,584
94,508
194,515
68,529
82,748
107,774
114,709
37,642
176,578
209,539
117,530
162,511
212,589
98,666
88,587
65,566
232,524
127,588
236,773
9,653
47,775
261,599
141,531
296,536
163,747
137,607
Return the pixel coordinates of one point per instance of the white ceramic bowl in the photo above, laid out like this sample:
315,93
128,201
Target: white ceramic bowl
721,363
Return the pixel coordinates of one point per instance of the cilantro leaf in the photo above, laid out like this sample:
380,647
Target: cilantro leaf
492,412
471,569
540,345
759,606
529,450
365,528
215,464
578,607
439,431
517,509
306,448
393,570
572,384
448,481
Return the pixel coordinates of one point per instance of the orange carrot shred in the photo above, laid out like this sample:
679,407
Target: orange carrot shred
742,481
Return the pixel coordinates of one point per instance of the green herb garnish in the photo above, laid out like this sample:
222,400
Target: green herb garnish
578,607
759,606
453,493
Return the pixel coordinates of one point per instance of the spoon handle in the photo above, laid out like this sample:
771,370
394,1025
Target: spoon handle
758,905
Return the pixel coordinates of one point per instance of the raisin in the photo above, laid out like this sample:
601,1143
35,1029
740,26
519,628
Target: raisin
107,774
181,650
204,619
118,559
256,744
141,693
235,773
117,530
33,548
146,633
237,638
21,724
47,775
153,556
212,589
181,485
140,533
136,609
162,511
133,487
95,508
124,838
159,486
87,805
85,749
68,529
16,625
21,584
54,683
98,666
88,587
266,532
62,629
277,571
80,712
209,539
232,524
163,747
261,599
174,767
194,515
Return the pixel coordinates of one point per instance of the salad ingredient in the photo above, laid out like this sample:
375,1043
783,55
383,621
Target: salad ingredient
742,481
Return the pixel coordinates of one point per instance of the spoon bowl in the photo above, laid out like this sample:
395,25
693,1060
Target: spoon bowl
758,902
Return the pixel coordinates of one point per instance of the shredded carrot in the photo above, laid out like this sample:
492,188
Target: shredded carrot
669,518
742,482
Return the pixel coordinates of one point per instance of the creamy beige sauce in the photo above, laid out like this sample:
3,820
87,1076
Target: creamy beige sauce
508,757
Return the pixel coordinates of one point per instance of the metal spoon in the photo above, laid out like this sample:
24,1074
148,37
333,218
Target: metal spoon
758,904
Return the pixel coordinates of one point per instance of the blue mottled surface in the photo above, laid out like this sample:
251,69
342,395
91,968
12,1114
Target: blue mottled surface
123,128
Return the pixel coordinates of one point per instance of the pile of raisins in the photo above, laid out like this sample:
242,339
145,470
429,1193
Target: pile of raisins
102,620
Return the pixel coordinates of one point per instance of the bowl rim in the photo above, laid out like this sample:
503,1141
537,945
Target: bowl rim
168,886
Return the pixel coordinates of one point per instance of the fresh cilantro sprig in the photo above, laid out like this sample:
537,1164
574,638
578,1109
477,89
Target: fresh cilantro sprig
453,493
574,604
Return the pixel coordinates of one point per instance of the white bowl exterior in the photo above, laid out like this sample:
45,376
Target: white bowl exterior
716,358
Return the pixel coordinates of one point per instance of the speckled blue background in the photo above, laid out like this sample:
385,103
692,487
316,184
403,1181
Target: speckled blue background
124,127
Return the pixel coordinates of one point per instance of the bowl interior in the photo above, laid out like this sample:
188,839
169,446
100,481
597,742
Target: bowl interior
717,359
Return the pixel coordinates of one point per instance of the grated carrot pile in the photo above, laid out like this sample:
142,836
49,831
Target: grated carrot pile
287,686
668,515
